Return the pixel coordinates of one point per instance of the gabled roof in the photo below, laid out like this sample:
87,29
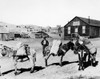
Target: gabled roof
90,21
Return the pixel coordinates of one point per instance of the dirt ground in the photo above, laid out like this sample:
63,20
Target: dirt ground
69,70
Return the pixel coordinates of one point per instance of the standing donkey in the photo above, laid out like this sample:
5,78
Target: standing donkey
61,50
22,52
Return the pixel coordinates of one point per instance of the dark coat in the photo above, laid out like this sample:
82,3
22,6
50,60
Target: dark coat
44,44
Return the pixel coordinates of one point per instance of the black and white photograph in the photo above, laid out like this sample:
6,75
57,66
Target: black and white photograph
49,39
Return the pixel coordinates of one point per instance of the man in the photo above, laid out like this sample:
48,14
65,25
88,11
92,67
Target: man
44,44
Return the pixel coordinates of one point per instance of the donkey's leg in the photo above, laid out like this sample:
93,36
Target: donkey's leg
0,71
93,60
32,62
79,61
89,58
80,56
15,65
82,61
94,57
61,60
46,59
85,57
46,63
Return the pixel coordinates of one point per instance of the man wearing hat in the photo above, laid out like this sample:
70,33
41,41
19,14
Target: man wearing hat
44,44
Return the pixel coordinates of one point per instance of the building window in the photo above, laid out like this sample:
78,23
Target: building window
76,30
69,30
83,29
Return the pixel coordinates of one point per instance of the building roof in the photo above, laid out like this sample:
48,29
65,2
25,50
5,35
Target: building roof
90,21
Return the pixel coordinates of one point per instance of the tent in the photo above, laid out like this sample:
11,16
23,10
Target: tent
3,34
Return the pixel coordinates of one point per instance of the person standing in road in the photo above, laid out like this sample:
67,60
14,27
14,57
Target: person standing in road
44,44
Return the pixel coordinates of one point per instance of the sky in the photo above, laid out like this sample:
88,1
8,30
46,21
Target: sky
47,12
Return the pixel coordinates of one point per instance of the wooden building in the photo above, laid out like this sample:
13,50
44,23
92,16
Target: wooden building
83,26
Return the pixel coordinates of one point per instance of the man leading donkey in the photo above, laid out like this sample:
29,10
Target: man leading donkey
44,44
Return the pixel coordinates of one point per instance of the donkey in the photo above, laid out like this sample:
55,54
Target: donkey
23,52
62,50
83,52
